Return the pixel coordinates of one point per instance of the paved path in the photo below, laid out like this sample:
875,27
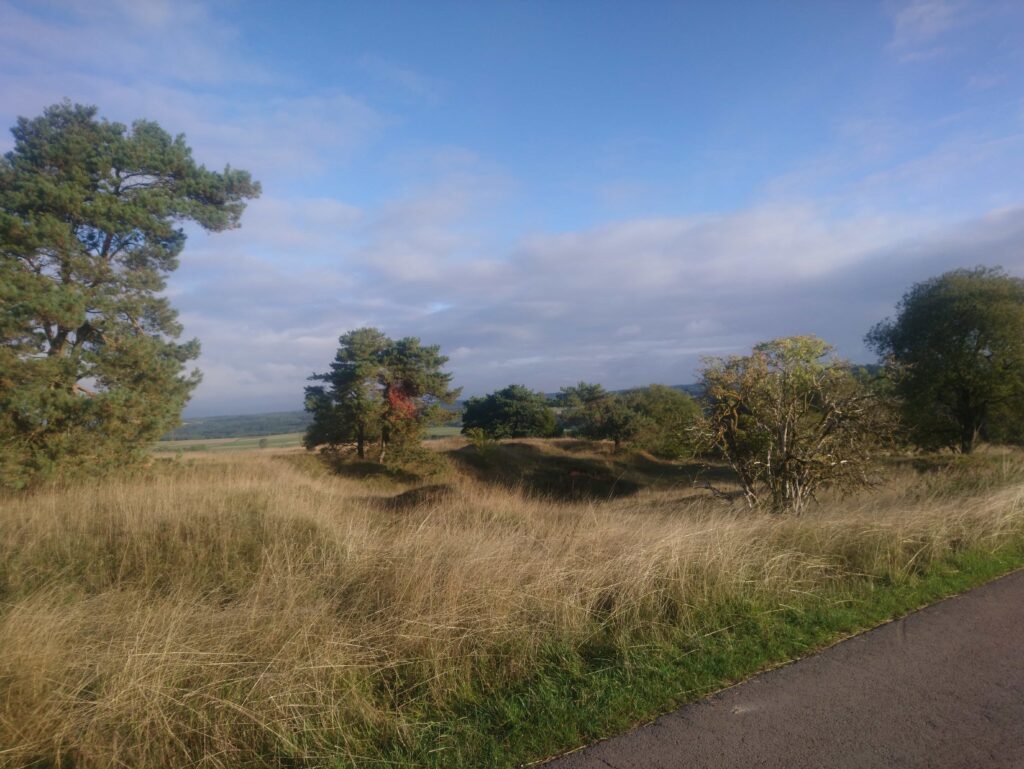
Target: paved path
941,688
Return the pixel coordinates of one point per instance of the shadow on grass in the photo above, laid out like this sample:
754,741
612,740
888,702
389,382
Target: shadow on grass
693,472
560,469
433,495
347,465
363,469
544,474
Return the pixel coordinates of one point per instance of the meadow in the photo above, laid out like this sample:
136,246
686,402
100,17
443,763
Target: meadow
254,609
274,441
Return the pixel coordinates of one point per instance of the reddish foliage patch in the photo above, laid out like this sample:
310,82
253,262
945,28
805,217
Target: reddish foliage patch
400,403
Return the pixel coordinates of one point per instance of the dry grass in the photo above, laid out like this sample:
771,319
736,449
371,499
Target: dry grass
235,610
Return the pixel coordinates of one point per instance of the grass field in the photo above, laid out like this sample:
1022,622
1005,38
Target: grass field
251,609
281,441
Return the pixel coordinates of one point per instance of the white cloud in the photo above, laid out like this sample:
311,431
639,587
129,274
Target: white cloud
407,80
181,70
919,24
180,42
624,304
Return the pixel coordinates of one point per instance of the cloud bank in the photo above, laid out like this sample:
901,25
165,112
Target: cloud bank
624,304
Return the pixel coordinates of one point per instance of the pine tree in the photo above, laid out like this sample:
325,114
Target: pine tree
414,387
377,390
91,216
348,407
512,412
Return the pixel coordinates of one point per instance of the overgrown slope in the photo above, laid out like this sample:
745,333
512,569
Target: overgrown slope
237,610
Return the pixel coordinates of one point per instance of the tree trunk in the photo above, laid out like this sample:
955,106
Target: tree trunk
968,438
971,416
360,442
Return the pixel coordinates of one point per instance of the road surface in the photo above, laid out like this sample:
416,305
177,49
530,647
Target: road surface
942,688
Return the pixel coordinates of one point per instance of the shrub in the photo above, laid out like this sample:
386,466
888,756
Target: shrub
513,412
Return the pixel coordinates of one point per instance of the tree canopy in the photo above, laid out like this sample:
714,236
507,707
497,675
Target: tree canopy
590,411
512,412
349,407
790,419
91,216
656,418
955,355
664,420
377,390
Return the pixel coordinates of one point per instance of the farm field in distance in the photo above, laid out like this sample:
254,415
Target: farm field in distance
281,441
524,597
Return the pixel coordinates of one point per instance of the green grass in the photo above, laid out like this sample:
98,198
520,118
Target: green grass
240,426
283,441
576,696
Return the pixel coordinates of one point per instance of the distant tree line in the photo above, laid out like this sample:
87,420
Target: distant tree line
790,418
513,412
247,425
655,418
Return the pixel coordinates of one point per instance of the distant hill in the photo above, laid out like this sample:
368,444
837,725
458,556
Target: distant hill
253,425
278,422
693,390
241,426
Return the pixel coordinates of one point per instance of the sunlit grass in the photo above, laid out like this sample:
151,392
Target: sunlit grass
233,610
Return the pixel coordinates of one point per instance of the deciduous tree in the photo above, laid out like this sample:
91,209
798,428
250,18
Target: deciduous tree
790,419
955,355
664,420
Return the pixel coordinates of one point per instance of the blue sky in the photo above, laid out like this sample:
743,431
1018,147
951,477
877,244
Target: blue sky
555,191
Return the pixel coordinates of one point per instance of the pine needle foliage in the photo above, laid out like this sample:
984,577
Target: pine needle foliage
377,390
91,216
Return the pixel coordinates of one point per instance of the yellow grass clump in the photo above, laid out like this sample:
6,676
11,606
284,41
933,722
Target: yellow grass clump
235,610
